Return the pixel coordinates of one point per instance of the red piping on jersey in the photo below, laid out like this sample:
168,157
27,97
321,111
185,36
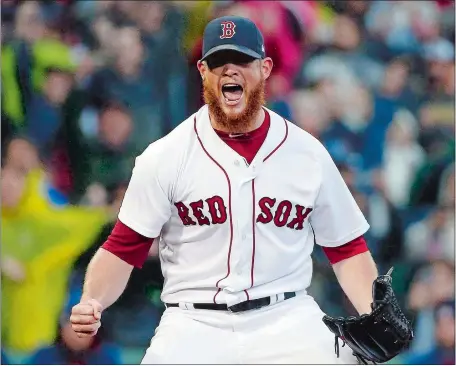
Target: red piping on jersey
229,208
281,143
253,233
254,204
247,294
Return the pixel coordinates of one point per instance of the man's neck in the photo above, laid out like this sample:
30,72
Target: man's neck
256,123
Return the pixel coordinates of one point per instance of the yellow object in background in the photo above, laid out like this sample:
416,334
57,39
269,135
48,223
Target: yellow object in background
50,53
46,240
44,54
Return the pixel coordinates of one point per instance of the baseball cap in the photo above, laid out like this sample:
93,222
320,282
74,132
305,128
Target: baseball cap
233,33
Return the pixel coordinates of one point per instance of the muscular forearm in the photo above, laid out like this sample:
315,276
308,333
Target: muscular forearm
356,275
106,278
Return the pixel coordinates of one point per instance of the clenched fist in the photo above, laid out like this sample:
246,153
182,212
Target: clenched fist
85,318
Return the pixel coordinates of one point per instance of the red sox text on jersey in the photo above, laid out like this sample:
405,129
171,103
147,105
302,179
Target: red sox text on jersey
229,231
285,213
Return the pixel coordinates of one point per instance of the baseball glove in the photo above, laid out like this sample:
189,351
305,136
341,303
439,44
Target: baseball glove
379,336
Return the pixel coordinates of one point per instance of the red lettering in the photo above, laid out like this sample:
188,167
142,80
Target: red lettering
283,213
217,209
198,213
301,215
228,29
266,204
183,212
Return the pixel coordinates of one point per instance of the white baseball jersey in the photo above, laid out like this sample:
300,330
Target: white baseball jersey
230,231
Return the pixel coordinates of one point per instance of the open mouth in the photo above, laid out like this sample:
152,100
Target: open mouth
232,93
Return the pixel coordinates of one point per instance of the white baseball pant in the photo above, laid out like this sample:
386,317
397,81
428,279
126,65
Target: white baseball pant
288,332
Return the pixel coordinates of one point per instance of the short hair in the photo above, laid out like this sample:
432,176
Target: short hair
114,105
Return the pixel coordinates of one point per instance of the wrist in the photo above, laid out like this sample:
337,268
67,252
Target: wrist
365,310
85,298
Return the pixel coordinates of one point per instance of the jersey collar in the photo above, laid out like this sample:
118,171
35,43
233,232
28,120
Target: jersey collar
229,158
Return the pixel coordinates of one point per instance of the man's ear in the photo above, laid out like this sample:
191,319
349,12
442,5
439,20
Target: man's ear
266,66
202,68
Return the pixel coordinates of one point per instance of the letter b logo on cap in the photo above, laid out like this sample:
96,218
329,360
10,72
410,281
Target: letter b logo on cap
228,29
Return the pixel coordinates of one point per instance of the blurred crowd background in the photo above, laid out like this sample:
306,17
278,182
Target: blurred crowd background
87,85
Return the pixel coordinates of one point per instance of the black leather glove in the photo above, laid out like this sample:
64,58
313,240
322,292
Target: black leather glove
379,336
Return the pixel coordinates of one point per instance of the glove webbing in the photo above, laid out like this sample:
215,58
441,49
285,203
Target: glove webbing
358,357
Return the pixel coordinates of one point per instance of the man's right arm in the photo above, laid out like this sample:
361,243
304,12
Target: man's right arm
106,278
110,268
145,209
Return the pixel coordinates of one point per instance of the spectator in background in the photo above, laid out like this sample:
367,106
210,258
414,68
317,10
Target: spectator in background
27,58
44,111
106,150
101,35
385,235
37,27
355,9
403,25
161,26
352,109
398,84
343,60
21,155
443,351
29,22
432,238
432,284
323,112
309,112
402,157
394,93
137,80
438,142
439,57
40,235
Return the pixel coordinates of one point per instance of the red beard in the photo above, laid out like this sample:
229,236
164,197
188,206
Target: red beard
241,122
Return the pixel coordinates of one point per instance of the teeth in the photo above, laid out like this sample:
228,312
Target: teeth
231,85
229,101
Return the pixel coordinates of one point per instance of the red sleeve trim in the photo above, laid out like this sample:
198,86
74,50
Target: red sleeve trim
128,245
352,248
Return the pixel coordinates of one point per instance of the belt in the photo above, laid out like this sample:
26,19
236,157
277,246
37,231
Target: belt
242,306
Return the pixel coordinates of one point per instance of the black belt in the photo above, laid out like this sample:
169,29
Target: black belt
242,306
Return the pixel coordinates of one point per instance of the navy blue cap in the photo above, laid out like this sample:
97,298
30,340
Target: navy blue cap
233,33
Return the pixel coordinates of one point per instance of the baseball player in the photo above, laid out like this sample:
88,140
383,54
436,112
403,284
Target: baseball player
236,197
